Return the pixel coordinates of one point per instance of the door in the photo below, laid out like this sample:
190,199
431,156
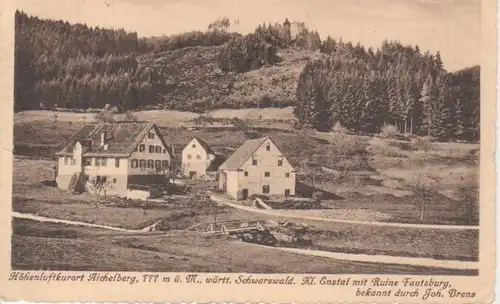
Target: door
244,194
287,192
192,174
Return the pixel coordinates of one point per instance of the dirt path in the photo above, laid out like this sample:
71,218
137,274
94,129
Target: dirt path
383,259
283,213
69,222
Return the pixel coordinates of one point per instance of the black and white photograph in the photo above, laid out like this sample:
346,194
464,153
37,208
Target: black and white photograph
259,137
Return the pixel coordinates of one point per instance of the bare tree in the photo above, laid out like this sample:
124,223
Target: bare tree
98,185
468,195
426,145
424,188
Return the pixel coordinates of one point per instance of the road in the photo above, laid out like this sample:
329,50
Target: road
284,213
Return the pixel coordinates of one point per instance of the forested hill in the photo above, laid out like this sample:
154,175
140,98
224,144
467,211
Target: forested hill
76,66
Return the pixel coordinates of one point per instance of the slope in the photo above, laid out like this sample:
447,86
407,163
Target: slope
193,82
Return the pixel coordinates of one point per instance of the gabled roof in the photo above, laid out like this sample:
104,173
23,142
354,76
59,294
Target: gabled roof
215,164
121,138
243,153
205,146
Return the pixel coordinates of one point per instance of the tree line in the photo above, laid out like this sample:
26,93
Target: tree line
363,90
77,66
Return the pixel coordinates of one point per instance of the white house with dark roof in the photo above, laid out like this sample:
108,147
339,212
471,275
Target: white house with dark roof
121,154
198,159
257,167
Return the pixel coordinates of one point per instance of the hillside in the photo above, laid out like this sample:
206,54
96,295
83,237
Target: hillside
193,81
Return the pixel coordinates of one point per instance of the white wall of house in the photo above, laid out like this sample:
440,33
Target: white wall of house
281,177
159,154
232,184
195,159
115,169
68,166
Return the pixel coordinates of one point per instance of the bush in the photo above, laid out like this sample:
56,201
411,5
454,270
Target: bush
156,192
339,128
388,131
402,145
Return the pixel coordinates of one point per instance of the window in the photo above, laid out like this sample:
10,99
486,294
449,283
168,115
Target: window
151,135
164,151
265,189
151,163
133,163
189,156
268,147
287,174
164,164
114,180
246,173
267,174
142,148
158,149
287,192
97,161
158,164
87,162
142,163
193,145
280,162
104,162
151,149
198,156
117,162
66,160
73,161
254,162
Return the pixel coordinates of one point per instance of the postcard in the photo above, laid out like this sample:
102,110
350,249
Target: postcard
248,151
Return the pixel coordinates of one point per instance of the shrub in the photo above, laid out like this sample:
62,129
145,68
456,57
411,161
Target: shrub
339,128
388,131
156,192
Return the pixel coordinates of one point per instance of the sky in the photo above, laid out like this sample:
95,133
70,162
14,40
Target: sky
451,26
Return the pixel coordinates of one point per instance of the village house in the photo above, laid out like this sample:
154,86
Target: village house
257,167
119,155
196,158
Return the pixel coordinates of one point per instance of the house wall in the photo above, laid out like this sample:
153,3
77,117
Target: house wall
200,160
146,141
68,166
267,161
65,171
232,184
117,176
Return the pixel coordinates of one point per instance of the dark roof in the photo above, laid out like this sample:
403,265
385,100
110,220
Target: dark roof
215,164
242,154
204,145
121,138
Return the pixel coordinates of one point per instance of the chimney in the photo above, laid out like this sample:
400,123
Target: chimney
103,137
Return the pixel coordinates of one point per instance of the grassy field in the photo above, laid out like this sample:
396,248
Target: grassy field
364,173
368,173
72,249
114,252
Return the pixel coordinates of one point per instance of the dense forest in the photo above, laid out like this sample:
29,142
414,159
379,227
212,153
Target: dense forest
364,90
58,64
